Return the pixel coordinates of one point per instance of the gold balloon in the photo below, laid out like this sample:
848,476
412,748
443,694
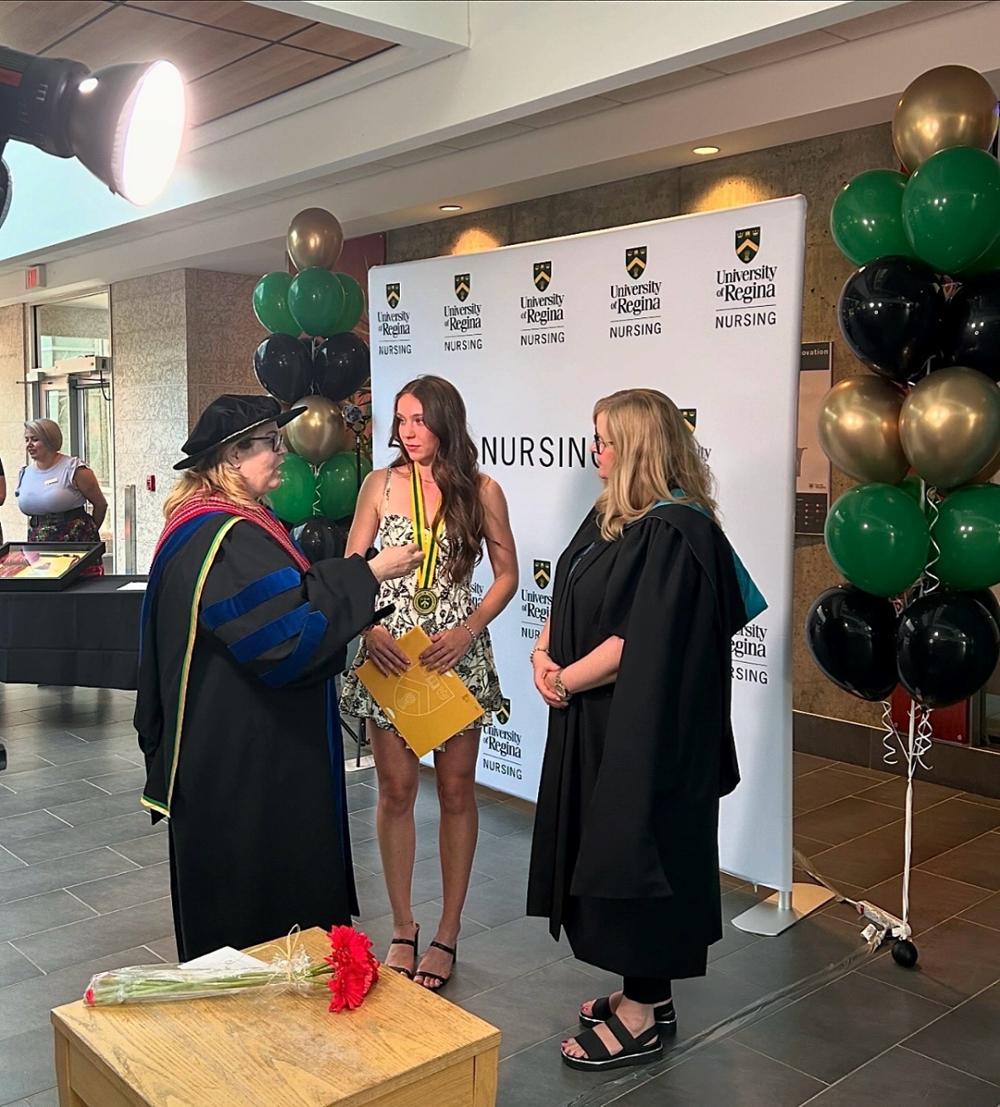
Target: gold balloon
319,432
315,237
950,426
951,105
859,429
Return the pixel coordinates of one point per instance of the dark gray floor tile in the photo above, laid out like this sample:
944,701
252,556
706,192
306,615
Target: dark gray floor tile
26,1064
733,939
822,787
822,1035
975,862
503,953
503,858
125,781
803,763
77,839
427,879
986,913
32,880
966,1037
956,960
986,801
29,916
360,797
427,915
16,828
900,1078
497,901
58,747
148,850
933,899
99,807
843,820
26,1006
536,1077
893,793
502,819
165,948
100,732
36,799
810,946
726,1072
115,892
367,856
95,937
14,966
44,777
48,1098
9,862
22,763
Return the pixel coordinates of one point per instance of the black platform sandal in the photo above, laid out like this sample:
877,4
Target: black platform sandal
412,942
664,1013
635,1051
441,980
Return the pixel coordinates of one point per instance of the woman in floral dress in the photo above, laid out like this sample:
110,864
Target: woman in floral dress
435,480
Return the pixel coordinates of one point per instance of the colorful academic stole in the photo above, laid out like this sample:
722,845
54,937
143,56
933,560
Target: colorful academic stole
428,538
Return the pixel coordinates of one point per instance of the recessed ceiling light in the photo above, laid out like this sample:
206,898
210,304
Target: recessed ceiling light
450,207
704,151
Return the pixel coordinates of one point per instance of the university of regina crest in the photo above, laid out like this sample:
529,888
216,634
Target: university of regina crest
747,244
503,711
463,286
392,295
542,275
635,261
543,573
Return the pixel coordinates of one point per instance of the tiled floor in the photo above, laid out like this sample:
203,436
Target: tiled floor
83,887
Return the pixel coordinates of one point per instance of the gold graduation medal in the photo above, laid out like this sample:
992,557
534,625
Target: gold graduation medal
425,599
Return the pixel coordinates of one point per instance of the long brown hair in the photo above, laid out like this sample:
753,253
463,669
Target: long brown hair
656,454
213,476
455,469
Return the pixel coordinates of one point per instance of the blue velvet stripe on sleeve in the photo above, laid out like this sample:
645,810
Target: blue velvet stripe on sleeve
295,664
281,580
270,635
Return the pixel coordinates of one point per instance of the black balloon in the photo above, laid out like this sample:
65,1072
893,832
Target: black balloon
948,646
974,325
321,538
341,366
852,638
283,366
891,312
986,597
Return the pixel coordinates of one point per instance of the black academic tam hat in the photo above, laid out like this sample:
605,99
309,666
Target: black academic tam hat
230,418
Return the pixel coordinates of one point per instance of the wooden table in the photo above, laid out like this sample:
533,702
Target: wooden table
404,1047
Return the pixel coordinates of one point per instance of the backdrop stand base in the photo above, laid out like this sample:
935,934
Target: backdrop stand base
784,909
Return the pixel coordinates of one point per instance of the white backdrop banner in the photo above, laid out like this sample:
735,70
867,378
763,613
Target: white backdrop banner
706,308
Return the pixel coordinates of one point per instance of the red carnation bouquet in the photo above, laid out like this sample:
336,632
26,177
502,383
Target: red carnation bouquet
349,971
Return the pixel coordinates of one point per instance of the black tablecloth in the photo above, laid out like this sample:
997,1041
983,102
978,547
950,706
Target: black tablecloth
87,635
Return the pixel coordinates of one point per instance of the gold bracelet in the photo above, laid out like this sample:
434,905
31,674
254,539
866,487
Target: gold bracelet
465,626
538,649
557,683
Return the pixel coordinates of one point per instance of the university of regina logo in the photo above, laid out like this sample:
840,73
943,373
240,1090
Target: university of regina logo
542,275
463,286
690,417
503,711
392,295
747,244
635,261
543,573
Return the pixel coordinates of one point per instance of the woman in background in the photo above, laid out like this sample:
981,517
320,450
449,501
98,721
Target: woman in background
53,489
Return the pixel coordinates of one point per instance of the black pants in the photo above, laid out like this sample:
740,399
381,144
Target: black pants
646,989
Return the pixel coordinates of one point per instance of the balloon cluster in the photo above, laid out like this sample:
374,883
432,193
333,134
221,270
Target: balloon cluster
312,359
919,539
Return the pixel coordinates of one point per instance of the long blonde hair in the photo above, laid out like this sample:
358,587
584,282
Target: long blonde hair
213,477
655,455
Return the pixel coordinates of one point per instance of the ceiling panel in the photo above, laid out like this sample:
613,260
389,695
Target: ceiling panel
487,135
31,26
128,34
658,86
900,16
228,15
574,110
775,52
273,70
337,42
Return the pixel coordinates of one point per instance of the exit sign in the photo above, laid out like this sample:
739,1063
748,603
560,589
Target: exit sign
34,277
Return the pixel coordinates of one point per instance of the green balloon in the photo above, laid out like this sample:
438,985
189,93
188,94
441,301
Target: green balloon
292,501
866,219
316,301
951,208
270,304
912,486
877,537
967,533
337,484
986,263
354,303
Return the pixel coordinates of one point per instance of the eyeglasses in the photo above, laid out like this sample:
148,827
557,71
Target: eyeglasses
276,440
600,445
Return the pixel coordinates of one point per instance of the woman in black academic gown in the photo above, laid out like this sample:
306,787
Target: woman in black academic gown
235,709
635,664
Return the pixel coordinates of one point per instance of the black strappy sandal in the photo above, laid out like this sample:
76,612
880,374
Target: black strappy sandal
412,942
635,1051
442,980
664,1013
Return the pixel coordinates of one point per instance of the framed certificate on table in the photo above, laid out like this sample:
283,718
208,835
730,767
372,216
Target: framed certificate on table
45,566
426,708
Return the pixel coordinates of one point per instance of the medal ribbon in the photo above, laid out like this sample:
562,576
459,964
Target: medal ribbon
426,538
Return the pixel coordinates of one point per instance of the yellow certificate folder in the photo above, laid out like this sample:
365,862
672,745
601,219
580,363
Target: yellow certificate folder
426,708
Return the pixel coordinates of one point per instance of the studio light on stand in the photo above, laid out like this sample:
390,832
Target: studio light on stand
124,122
